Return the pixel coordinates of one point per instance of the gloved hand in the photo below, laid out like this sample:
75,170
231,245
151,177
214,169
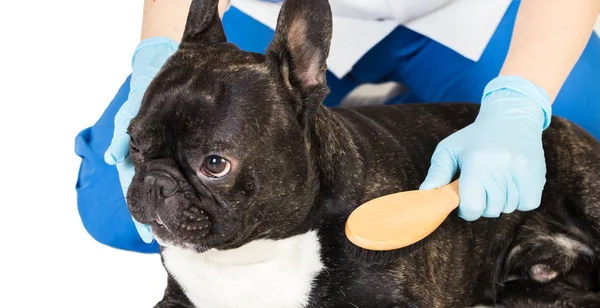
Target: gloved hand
148,58
500,155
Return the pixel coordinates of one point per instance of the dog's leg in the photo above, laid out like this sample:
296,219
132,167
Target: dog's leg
551,271
174,296
556,294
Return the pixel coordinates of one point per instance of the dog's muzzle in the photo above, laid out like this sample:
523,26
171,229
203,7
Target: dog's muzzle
171,204
159,185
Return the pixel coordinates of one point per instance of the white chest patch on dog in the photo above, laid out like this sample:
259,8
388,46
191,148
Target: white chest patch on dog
261,274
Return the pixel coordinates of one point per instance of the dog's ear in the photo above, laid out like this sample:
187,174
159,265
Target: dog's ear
203,23
299,51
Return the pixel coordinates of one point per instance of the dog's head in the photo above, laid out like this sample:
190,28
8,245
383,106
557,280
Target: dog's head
219,145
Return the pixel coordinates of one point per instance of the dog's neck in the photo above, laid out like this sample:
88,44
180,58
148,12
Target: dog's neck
262,273
339,155
336,155
258,251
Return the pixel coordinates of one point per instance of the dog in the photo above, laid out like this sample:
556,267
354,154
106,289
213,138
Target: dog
247,180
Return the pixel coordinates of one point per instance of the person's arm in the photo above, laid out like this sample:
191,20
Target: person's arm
548,39
168,17
501,155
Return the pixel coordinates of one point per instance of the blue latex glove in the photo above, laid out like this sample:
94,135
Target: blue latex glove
500,156
148,58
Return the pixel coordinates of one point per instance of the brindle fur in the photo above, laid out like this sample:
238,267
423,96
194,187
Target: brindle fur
305,166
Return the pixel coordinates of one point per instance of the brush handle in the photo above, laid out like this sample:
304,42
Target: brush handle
452,196
401,219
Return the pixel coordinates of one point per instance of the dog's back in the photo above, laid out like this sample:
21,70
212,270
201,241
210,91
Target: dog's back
551,252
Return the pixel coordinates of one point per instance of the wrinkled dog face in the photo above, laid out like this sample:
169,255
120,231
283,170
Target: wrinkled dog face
219,144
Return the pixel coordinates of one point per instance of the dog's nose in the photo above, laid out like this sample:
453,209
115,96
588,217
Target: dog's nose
159,185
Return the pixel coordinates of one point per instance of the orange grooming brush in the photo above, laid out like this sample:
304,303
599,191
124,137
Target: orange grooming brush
401,219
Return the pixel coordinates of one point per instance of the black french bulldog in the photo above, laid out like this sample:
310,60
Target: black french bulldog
247,180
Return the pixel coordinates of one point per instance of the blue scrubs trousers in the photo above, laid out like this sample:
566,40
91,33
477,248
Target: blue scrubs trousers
431,71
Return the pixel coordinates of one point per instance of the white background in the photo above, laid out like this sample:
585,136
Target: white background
61,63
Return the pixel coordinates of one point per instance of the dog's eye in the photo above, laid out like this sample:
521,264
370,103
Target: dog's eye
133,145
215,166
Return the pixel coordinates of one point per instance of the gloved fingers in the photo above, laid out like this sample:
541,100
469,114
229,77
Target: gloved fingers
119,145
126,173
512,195
149,57
495,198
442,169
144,231
118,149
531,185
472,196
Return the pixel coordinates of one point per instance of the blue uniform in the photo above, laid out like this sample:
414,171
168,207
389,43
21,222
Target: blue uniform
432,72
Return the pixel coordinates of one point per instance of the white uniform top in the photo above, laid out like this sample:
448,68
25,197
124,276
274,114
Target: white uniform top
465,26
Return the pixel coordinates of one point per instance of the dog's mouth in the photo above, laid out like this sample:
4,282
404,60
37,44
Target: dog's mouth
160,223
190,218
186,226
189,223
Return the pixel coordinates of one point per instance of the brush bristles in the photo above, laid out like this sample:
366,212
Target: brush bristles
366,256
